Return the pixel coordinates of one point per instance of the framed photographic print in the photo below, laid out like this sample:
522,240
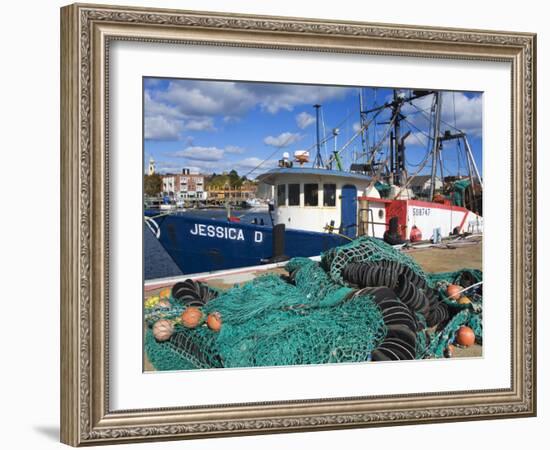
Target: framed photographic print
277,224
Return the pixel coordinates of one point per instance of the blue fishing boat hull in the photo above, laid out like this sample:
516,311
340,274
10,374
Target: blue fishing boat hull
204,245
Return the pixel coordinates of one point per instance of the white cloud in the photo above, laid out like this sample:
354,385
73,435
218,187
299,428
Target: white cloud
162,166
202,124
304,120
162,128
283,140
246,166
198,153
206,98
356,127
152,82
233,99
193,170
208,157
417,138
252,167
250,163
155,108
161,121
193,106
467,110
274,97
234,150
231,119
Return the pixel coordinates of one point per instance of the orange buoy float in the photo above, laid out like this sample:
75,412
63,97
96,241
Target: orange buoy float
163,330
214,321
192,317
165,293
453,291
465,336
416,234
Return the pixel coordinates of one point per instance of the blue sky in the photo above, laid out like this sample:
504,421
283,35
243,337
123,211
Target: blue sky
216,126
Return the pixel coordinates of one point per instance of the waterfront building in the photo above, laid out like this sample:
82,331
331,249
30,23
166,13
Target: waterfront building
184,186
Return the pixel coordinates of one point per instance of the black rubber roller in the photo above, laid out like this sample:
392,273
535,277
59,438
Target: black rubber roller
437,315
403,333
371,274
399,315
392,349
378,293
413,297
394,311
192,293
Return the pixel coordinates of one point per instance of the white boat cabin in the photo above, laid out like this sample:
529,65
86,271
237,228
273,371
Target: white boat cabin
323,200
315,199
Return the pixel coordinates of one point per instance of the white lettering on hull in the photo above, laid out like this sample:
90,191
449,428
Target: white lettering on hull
219,232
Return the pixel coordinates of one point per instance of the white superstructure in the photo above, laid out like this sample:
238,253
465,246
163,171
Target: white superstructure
312,199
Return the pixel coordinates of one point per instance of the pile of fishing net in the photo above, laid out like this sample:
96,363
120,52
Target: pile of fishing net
364,301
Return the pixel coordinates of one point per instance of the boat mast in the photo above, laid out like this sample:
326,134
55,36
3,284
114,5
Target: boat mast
398,170
471,169
396,107
318,163
436,142
361,124
335,154
470,155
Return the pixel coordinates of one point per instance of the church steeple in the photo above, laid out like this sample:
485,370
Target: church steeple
151,166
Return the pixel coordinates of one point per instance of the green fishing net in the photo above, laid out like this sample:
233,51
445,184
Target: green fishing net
271,322
307,317
453,277
364,249
296,330
435,343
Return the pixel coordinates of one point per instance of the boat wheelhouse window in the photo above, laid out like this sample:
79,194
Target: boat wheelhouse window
293,195
311,194
329,195
281,194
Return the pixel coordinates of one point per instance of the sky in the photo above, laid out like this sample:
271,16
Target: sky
216,126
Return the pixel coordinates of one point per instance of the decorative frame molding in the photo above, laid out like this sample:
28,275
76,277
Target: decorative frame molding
86,31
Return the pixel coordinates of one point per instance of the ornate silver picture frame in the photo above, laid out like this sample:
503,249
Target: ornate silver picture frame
87,32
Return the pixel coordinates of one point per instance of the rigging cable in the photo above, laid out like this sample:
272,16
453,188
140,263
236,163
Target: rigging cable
442,121
326,139
422,144
458,146
324,133
355,135
278,149
418,129
422,165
